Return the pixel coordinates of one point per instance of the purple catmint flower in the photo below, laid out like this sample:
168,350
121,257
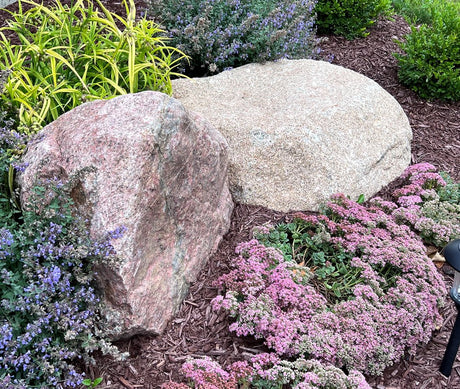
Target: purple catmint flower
225,34
6,238
55,256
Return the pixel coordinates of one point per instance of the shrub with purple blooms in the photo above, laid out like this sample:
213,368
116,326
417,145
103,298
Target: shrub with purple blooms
219,34
267,371
50,310
50,313
290,301
3,78
12,143
429,203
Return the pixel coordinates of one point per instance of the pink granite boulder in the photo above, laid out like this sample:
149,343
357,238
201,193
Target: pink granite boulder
149,165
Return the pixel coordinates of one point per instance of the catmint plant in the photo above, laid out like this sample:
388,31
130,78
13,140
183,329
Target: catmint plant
12,144
221,34
50,309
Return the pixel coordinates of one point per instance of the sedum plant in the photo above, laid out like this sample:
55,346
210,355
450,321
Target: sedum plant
285,294
272,372
70,55
220,34
350,289
430,204
267,371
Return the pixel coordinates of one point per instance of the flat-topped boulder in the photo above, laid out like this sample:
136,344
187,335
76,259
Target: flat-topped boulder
144,162
301,130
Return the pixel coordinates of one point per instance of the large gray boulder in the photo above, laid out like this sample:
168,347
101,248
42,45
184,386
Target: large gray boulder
301,130
149,165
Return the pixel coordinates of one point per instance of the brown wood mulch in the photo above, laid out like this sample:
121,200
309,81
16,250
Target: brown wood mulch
197,331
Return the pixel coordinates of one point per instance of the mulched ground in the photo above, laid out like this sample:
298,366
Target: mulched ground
196,330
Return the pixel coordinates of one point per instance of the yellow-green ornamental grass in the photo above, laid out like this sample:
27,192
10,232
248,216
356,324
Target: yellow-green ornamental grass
70,55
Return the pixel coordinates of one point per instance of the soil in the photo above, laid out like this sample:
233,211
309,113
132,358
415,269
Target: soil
197,331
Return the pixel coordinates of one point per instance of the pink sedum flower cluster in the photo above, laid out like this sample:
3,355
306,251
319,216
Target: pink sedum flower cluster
272,295
268,371
421,207
394,307
269,368
204,373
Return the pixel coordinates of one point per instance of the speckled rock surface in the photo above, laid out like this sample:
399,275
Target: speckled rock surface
158,170
301,130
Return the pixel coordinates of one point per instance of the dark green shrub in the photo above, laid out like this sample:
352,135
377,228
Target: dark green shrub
416,11
219,34
349,18
430,64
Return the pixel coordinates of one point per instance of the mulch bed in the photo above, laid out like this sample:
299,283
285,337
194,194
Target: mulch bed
197,331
